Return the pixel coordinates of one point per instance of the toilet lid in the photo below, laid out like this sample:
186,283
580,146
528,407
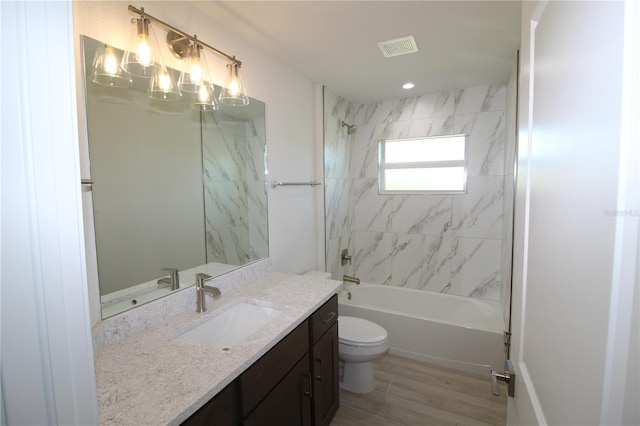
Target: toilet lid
358,331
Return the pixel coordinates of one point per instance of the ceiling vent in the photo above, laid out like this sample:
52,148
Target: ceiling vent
398,46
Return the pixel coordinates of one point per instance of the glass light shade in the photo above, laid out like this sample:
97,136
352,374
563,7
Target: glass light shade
163,86
194,73
106,68
234,93
140,62
204,99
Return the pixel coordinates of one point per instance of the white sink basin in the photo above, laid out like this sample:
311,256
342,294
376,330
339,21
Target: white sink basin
232,325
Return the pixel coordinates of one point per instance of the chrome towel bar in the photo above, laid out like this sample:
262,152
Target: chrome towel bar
275,183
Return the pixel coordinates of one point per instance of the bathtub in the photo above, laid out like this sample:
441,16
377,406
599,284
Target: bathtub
451,331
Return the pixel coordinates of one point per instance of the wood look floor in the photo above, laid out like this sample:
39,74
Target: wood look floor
414,393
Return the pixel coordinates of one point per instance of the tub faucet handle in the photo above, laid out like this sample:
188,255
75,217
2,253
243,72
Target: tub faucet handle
345,257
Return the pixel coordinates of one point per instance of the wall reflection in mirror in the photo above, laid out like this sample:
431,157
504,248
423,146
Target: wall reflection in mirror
174,188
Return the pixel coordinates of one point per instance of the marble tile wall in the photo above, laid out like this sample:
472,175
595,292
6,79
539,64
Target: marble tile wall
444,243
235,197
256,182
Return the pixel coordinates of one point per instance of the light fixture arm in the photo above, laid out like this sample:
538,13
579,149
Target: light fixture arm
145,16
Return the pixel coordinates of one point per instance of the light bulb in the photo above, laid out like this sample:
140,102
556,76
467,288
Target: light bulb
234,87
164,82
196,72
203,93
110,61
143,53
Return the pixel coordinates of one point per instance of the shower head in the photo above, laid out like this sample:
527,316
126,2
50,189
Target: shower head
350,128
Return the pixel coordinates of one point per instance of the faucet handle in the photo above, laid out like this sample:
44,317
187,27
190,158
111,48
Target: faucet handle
174,272
345,257
201,278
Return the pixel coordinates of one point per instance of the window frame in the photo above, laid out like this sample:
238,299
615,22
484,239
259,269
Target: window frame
382,166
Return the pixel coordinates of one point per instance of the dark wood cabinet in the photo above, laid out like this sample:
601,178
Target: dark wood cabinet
263,376
295,383
324,362
221,410
289,403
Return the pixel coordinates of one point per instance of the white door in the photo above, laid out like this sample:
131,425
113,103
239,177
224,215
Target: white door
574,342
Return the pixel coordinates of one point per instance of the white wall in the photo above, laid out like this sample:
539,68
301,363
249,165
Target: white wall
289,99
46,361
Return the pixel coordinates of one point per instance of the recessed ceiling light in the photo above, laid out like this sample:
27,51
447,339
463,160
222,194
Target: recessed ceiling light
408,86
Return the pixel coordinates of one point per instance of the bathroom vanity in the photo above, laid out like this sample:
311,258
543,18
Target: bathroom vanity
296,382
285,373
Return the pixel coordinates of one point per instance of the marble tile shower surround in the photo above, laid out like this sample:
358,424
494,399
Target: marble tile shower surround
116,328
444,243
235,197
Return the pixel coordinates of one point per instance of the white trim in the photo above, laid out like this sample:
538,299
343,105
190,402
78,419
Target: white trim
533,395
625,255
47,363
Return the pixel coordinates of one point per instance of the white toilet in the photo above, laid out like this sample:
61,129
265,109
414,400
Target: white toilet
360,343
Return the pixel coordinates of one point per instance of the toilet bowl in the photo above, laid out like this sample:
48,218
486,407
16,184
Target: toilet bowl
360,342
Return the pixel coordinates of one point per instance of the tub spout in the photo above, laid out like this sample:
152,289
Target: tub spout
349,279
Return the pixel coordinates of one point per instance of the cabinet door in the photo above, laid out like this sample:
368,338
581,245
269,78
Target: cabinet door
324,360
222,410
259,379
289,404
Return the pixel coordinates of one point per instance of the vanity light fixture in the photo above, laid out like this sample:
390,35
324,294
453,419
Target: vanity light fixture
140,62
163,86
234,93
106,68
193,78
195,73
205,100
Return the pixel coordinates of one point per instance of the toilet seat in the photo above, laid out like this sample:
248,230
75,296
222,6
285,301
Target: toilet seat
354,331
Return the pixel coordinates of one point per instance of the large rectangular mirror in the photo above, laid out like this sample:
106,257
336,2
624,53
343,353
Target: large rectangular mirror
173,188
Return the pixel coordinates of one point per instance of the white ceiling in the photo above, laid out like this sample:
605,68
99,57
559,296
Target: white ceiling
460,43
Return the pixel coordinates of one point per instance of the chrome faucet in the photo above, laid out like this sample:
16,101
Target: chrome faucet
348,279
173,281
201,291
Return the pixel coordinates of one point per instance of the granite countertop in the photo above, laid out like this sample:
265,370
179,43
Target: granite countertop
157,377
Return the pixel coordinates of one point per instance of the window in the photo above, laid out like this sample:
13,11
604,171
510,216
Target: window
423,165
